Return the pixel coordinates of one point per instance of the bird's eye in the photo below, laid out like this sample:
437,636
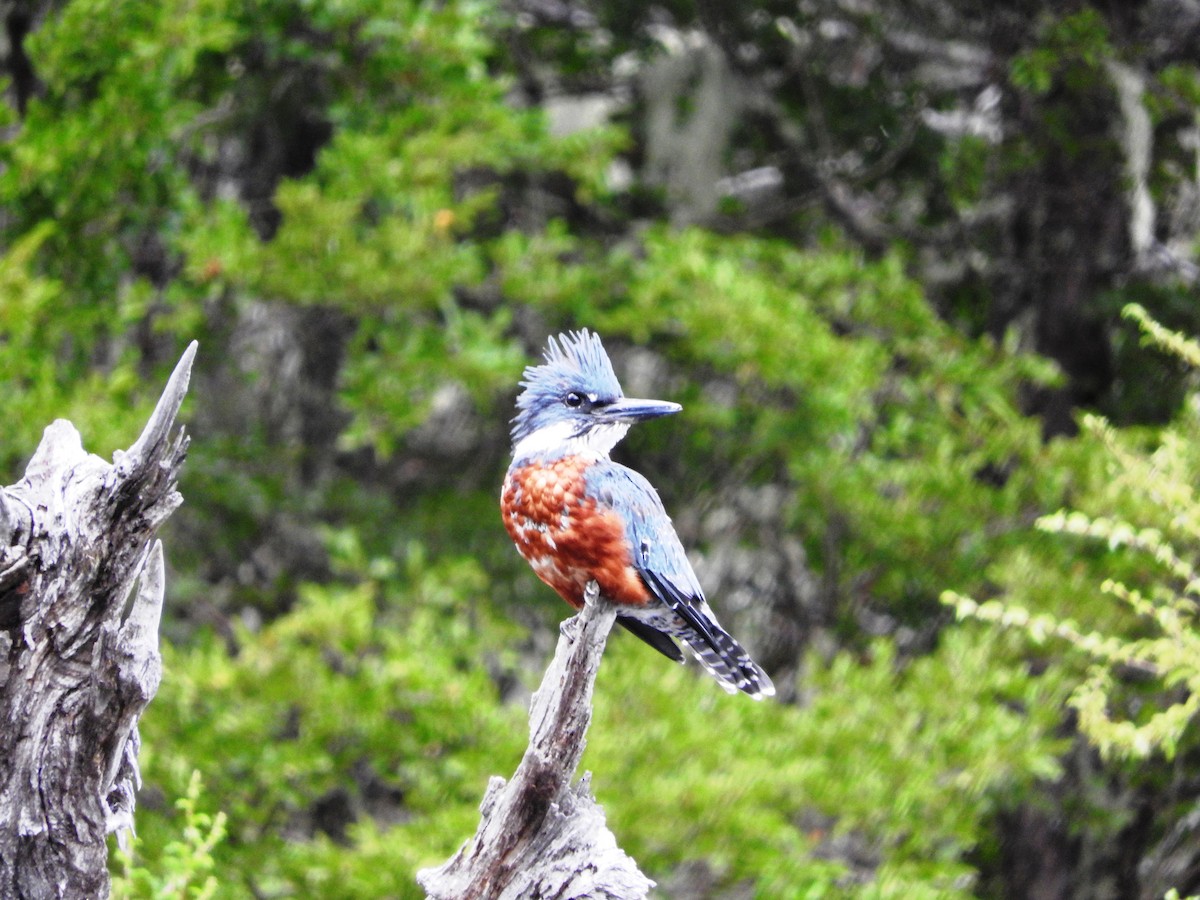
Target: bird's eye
574,399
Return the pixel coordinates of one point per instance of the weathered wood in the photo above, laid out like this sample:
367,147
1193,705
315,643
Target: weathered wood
539,835
80,657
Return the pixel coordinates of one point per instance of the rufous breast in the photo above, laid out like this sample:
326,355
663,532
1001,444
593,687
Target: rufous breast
565,535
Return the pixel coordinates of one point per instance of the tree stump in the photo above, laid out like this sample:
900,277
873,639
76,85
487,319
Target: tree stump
79,657
539,835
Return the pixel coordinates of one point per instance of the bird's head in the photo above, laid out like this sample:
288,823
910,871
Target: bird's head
573,401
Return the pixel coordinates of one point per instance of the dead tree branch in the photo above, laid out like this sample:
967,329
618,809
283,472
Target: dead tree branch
540,835
79,658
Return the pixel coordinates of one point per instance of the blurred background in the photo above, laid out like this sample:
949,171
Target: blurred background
883,253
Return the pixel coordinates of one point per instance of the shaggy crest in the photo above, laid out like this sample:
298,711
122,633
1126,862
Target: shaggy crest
575,361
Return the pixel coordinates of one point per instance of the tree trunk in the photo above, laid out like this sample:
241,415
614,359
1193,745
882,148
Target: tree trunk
541,836
79,660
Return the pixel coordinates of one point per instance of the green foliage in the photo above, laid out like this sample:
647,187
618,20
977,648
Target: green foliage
35,322
186,864
885,420
368,695
964,166
90,177
1067,87
1072,48
1181,82
382,227
373,693
97,182
1162,642
910,782
99,151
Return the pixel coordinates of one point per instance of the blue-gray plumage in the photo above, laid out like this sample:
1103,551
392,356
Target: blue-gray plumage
659,558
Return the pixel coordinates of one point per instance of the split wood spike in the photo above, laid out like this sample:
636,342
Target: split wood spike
81,594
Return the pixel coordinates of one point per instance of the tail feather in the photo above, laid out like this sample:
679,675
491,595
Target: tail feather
692,621
718,652
728,662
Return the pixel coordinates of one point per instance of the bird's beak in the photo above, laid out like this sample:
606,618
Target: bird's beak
628,410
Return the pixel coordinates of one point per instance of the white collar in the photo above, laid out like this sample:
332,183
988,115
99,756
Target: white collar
560,439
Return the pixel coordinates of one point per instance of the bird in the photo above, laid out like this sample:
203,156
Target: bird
577,516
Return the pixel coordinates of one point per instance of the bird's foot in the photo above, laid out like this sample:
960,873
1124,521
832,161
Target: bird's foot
591,593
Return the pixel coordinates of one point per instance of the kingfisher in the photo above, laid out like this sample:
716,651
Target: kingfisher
576,516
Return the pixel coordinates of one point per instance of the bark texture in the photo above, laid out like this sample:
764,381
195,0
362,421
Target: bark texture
81,591
540,835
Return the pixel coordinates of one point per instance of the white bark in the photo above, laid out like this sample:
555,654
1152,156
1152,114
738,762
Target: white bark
685,153
80,647
1137,140
539,835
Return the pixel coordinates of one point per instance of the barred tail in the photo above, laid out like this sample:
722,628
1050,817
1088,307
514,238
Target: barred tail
692,621
728,662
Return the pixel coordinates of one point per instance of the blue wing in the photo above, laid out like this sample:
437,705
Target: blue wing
652,539
663,565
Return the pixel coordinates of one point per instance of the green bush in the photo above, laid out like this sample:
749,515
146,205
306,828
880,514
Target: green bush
1147,515
186,866
370,697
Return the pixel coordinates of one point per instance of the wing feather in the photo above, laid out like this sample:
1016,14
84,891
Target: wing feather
662,563
659,640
